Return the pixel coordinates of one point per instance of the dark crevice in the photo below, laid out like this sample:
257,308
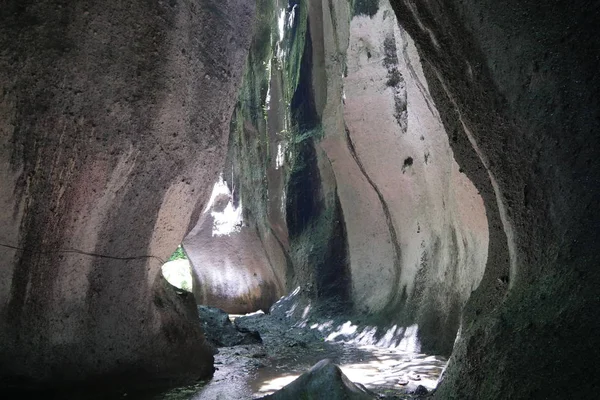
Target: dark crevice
366,7
303,202
289,271
415,77
334,274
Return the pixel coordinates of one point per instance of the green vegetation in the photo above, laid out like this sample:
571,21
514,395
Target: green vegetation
255,85
179,254
293,45
249,140
270,58
295,140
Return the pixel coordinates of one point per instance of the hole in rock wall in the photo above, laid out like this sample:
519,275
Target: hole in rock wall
177,270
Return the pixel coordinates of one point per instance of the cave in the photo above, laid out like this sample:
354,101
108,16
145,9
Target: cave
366,199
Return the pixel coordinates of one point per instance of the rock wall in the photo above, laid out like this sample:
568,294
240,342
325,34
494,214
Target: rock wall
243,269
416,226
231,269
113,122
517,88
347,175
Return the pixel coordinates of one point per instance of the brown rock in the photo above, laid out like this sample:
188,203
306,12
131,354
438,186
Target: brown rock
109,144
230,267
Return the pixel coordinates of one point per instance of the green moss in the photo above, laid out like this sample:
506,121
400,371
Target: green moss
249,126
179,254
293,44
296,139
255,85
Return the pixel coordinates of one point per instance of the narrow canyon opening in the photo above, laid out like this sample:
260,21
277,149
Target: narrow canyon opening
299,199
340,212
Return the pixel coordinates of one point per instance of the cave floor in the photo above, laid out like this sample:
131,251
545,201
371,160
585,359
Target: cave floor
253,371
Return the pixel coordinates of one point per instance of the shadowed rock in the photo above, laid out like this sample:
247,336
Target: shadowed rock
220,331
516,83
113,125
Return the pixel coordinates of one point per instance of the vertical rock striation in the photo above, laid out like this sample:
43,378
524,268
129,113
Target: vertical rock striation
113,126
244,270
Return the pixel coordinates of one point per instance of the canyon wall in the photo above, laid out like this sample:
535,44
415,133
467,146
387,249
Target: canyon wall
416,227
517,86
114,119
243,268
342,166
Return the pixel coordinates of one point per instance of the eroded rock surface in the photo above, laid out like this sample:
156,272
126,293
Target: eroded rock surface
230,267
416,227
347,176
113,126
517,88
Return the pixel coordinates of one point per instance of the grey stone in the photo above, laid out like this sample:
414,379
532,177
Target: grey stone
421,391
516,85
324,381
220,331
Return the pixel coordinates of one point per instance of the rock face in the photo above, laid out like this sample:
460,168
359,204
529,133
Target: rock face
415,225
349,174
517,88
230,266
243,268
111,138
323,381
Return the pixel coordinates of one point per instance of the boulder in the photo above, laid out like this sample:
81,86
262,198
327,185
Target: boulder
421,391
221,332
324,381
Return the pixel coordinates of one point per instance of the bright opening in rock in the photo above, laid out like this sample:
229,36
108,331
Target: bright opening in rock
177,271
